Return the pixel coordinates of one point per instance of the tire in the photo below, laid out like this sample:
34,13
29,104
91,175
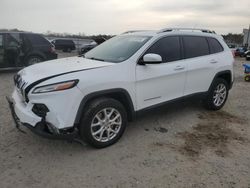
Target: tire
210,102
247,78
93,120
33,60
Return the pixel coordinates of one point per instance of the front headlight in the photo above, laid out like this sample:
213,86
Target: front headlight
55,87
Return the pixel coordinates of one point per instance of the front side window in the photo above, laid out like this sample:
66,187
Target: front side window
117,49
11,42
214,45
195,46
168,48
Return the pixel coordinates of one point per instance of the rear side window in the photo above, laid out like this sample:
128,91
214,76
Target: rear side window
37,39
11,41
214,45
168,48
195,46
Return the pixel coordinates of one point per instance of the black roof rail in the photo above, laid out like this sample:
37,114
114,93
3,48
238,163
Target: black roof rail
185,29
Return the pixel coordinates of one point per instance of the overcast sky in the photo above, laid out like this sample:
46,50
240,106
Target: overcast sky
116,16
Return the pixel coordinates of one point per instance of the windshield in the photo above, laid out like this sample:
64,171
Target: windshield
117,49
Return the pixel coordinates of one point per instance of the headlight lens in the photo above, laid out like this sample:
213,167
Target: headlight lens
56,87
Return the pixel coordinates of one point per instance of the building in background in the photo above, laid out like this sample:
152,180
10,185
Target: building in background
246,38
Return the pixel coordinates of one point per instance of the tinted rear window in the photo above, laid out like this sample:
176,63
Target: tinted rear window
36,39
195,46
214,45
64,42
168,48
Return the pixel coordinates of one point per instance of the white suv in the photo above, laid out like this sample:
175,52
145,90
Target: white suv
95,95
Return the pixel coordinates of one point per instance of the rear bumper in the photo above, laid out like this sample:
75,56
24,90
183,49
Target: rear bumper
41,128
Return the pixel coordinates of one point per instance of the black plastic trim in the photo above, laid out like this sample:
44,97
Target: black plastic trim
101,94
199,95
221,73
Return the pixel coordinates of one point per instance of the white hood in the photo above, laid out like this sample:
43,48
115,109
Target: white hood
39,71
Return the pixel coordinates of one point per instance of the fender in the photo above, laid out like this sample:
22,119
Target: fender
117,92
218,74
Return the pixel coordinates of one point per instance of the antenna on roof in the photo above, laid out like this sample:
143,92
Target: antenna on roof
133,31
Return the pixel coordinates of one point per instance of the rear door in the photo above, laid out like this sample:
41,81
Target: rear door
201,65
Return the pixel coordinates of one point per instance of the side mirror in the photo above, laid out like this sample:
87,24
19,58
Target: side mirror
151,59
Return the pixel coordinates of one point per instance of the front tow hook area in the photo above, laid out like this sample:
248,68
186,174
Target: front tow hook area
13,114
43,128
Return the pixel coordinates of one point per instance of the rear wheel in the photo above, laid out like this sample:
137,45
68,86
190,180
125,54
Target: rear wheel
103,122
217,95
34,59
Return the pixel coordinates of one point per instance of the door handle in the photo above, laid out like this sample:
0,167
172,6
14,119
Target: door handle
213,61
177,68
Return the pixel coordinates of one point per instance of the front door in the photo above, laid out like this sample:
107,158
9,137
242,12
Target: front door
11,51
157,83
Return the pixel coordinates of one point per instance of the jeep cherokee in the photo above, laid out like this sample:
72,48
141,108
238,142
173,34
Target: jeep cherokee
94,96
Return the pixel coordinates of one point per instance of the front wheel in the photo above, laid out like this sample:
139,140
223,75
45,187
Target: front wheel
217,95
103,122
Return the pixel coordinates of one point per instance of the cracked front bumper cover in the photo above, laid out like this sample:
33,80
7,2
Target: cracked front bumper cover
42,128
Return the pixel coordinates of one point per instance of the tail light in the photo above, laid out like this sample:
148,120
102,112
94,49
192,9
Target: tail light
52,49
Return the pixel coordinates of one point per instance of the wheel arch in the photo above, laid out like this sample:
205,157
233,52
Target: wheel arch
226,75
34,54
118,94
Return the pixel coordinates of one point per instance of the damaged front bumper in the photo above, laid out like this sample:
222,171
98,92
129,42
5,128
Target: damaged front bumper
43,128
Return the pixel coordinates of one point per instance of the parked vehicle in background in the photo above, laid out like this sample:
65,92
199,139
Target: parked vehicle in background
240,51
247,55
20,49
66,45
231,46
95,95
86,47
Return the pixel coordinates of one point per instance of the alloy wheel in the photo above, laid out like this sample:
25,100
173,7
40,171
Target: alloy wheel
106,124
220,94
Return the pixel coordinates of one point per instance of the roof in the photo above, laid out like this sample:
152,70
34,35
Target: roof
181,31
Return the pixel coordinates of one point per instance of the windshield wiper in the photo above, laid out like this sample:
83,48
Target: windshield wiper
93,58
